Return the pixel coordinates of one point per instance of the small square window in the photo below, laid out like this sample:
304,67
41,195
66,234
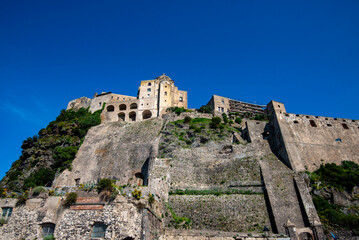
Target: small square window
99,230
6,212
181,99
48,229
99,103
148,89
165,93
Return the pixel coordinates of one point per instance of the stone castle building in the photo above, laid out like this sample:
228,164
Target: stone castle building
265,158
153,99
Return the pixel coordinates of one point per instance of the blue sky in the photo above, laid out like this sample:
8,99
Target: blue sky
302,53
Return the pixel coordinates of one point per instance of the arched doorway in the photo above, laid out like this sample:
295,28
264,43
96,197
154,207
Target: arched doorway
123,107
139,179
146,114
110,108
132,116
121,116
305,236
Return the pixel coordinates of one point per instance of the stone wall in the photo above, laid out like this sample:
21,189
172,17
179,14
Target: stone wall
306,141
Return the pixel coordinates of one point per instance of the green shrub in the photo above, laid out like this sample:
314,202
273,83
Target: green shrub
71,199
37,190
238,120
187,119
64,156
225,118
2,221
42,177
49,237
178,110
105,184
151,198
137,194
21,200
205,109
215,122
342,177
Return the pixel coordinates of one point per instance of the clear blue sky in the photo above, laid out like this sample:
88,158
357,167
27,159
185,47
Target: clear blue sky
302,53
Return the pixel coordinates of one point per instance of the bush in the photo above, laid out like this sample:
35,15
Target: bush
105,184
37,190
70,199
137,194
21,200
238,120
2,221
225,118
187,119
215,122
49,237
178,110
151,198
205,109
42,177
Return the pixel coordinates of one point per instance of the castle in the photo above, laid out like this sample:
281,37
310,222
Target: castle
183,171
153,99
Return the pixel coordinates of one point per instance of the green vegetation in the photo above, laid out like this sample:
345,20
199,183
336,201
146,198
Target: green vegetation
71,199
178,110
21,200
205,109
41,177
187,119
332,216
343,177
216,121
216,192
105,184
151,199
52,151
137,194
49,237
238,120
37,190
178,222
225,118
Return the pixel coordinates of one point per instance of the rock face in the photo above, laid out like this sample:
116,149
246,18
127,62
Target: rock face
115,150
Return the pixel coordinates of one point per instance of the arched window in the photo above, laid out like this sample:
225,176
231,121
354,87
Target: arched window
123,107
149,84
98,230
133,106
146,114
110,108
121,117
48,229
132,116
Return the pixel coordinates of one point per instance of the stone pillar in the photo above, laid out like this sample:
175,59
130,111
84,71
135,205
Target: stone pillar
290,230
318,231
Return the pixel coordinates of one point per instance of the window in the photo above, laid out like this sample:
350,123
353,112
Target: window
345,126
149,84
222,101
6,212
148,95
99,230
165,93
48,229
329,125
148,89
118,98
110,108
296,122
99,103
312,123
338,140
181,99
111,97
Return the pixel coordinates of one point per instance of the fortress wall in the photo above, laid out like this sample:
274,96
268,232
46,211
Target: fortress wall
310,139
307,141
232,213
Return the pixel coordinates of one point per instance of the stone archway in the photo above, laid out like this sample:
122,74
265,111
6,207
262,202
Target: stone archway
132,116
110,108
146,114
305,236
123,107
133,106
121,117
